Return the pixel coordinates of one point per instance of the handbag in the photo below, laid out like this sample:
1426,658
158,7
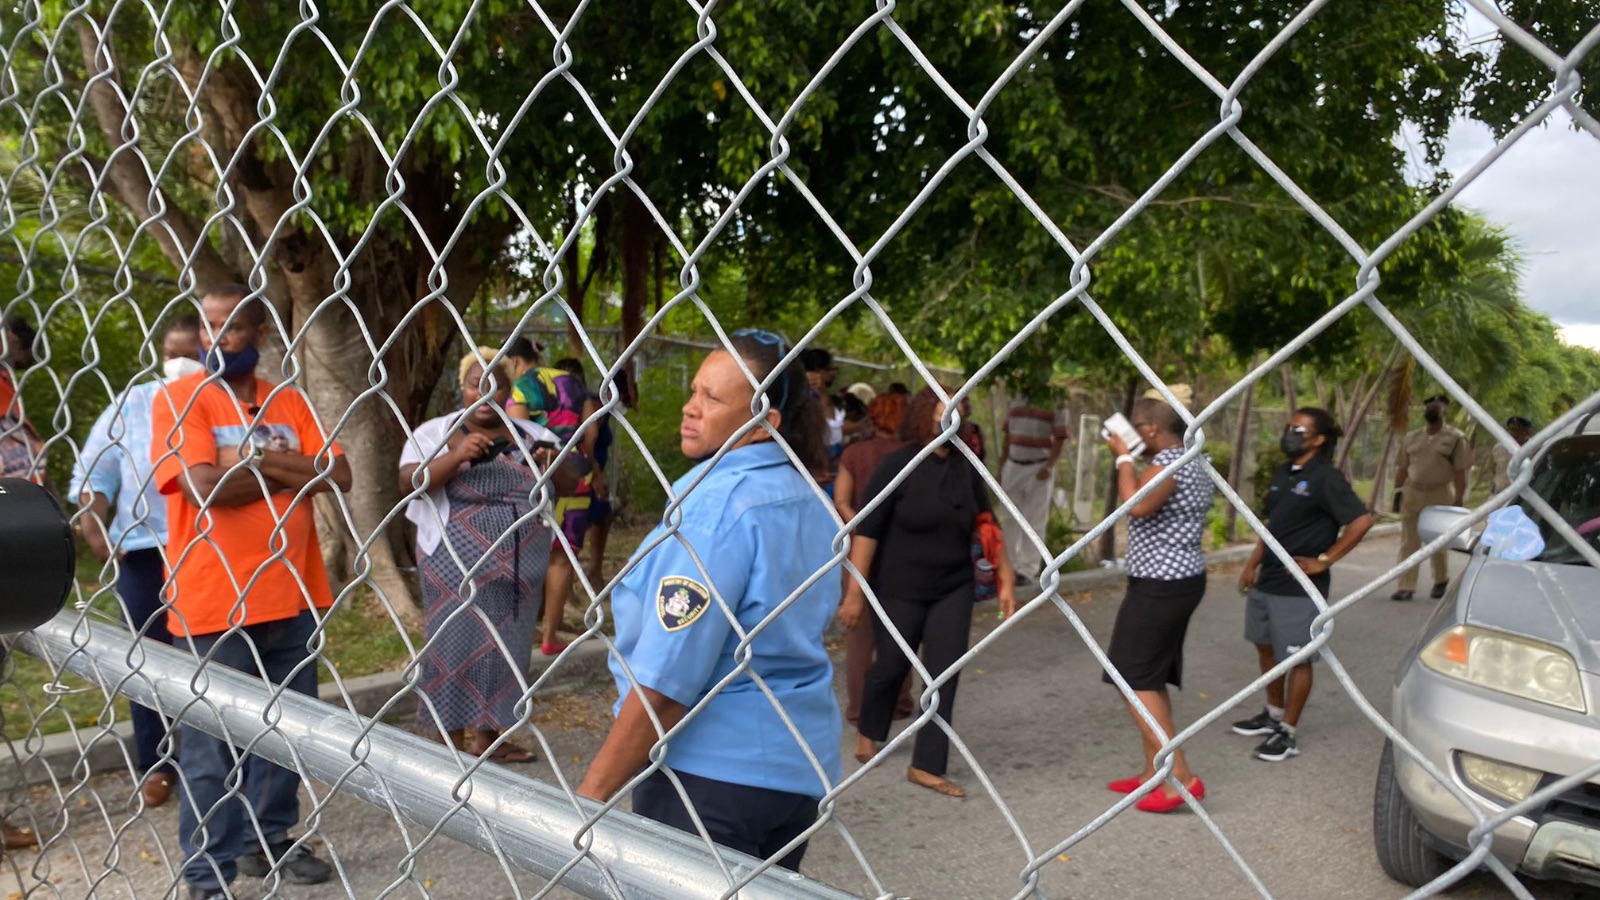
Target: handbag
987,541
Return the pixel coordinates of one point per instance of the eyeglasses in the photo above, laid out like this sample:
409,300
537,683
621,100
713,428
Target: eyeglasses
771,340
1299,429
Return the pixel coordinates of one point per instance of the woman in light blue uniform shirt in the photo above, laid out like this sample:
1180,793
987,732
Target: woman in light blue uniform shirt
753,532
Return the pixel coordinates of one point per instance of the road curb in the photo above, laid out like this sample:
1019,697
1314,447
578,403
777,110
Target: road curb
63,756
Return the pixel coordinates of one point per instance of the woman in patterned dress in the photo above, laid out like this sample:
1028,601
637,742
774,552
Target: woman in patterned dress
482,557
1166,580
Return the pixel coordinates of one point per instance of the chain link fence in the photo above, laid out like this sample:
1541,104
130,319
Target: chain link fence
372,175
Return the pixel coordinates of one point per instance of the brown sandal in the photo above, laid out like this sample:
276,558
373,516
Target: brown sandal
512,754
936,783
505,753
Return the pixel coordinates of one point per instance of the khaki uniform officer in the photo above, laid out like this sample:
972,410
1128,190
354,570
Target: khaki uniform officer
1434,461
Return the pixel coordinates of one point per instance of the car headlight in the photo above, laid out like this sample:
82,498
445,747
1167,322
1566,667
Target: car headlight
1509,664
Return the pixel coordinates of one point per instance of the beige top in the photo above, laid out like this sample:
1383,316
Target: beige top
1431,460
1499,459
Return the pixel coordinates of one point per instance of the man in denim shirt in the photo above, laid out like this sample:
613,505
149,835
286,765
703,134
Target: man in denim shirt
114,471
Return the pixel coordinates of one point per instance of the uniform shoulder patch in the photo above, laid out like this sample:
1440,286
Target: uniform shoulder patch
680,601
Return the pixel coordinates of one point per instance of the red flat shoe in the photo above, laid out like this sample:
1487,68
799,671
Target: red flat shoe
1159,801
552,649
1125,785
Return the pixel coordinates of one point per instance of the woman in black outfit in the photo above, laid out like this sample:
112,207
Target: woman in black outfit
916,548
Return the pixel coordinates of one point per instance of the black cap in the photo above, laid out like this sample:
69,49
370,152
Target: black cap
1519,422
1438,398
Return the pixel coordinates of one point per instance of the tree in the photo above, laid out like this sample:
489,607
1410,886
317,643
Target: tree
369,171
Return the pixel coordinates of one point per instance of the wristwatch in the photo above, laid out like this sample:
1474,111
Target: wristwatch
257,453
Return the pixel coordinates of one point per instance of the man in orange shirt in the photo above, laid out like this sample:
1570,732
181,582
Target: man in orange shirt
238,468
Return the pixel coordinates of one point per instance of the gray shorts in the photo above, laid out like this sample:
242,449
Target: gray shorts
1283,622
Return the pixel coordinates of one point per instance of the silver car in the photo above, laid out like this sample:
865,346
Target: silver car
1502,693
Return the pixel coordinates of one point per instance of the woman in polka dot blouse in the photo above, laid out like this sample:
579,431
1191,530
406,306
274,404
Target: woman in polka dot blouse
1166,579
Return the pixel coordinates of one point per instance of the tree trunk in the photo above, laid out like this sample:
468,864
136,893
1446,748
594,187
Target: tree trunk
125,178
1290,404
1349,397
1380,479
1108,541
336,368
1358,416
1241,441
572,274
638,232
660,250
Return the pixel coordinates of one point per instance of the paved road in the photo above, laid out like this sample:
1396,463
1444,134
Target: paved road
1048,734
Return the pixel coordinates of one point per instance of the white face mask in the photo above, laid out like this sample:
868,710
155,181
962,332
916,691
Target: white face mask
180,367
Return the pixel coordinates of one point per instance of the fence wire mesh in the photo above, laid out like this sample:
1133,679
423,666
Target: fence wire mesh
401,184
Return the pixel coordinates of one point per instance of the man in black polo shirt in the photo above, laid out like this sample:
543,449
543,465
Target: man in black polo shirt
1309,503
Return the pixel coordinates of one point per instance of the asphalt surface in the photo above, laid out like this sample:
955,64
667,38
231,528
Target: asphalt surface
1037,719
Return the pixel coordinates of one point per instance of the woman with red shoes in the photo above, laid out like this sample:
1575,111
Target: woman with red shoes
1166,580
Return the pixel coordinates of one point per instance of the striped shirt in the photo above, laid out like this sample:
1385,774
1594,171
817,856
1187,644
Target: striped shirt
1034,431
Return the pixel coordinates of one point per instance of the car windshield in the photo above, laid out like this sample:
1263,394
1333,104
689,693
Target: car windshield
1568,479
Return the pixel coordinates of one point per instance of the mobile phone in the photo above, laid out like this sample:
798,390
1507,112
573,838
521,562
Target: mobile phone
496,447
1118,424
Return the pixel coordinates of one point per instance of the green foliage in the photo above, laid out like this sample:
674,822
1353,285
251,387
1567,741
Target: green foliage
95,347
1224,261
362,640
657,418
1059,535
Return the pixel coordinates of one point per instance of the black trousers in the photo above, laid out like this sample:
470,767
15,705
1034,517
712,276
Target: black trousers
941,629
140,575
752,820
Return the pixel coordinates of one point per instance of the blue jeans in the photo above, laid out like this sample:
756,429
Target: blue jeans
214,827
140,575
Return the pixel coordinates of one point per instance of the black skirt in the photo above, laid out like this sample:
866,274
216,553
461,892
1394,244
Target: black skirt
1147,640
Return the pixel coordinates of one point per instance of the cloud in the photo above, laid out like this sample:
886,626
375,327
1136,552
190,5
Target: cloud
1582,335
1542,190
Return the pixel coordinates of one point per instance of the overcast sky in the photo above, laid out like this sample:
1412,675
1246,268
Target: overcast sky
1545,191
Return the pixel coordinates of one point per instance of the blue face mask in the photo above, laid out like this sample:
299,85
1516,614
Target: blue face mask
232,365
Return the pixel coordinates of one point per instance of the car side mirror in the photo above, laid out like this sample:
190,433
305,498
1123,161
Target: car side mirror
1436,520
37,556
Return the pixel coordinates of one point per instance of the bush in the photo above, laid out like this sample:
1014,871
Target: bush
1059,535
638,493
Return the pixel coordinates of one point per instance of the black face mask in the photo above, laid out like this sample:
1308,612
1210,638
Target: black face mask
1433,414
1293,443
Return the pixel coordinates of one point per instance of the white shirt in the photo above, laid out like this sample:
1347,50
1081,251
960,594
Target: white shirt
836,427
430,511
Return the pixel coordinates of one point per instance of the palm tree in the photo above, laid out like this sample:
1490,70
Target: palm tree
1468,323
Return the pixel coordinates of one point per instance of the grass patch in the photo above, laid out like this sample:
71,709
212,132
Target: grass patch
71,702
363,640
25,705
